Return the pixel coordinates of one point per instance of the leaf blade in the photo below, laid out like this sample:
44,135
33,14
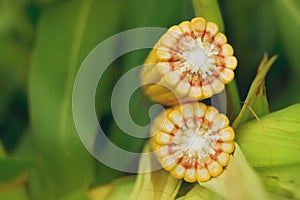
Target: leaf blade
256,103
275,137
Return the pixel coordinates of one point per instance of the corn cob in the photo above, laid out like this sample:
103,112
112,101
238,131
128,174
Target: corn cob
191,61
192,141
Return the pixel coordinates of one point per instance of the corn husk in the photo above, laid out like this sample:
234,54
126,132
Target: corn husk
118,189
272,140
238,181
154,185
200,193
256,103
282,180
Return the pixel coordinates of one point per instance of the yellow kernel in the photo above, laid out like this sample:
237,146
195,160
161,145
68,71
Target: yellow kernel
210,114
219,122
227,134
212,28
163,68
162,151
187,111
198,25
227,147
185,27
220,39
165,125
230,62
168,162
190,175
171,79
167,40
223,159
227,50
227,75
163,53
178,171
175,31
195,92
215,169
217,86
183,87
207,91
200,109
176,118
163,138
203,175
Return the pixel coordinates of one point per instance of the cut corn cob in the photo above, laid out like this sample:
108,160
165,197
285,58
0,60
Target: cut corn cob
191,61
192,141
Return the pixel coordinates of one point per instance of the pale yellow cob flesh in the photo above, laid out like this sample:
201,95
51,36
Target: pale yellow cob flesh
191,61
192,141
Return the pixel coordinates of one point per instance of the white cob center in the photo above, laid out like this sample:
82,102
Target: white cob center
199,57
196,143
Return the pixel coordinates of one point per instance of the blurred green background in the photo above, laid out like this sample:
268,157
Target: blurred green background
42,44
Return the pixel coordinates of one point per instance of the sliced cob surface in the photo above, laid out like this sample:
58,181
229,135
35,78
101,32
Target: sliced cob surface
191,61
192,141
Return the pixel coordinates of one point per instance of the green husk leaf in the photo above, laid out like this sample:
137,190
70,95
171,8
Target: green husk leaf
16,193
272,140
156,184
256,103
287,15
282,180
64,163
200,193
62,157
100,193
36,186
235,181
2,151
76,195
11,168
122,188
119,189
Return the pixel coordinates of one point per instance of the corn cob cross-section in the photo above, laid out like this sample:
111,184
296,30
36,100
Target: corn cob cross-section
191,61
192,141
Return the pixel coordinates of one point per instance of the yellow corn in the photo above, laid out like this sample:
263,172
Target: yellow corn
191,61
192,141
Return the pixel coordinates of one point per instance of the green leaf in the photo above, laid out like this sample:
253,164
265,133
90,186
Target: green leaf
282,180
288,18
67,33
287,13
11,168
118,189
200,193
234,182
100,193
272,140
37,187
168,14
122,188
2,151
156,184
256,103
76,195
13,176
16,193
